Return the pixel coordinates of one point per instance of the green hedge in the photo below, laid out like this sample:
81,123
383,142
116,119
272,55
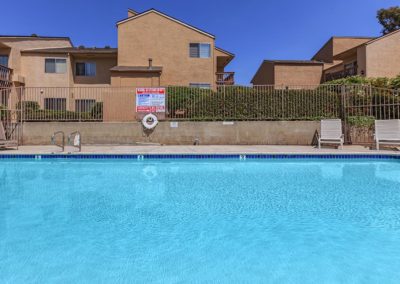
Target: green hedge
380,82
246,103
32,112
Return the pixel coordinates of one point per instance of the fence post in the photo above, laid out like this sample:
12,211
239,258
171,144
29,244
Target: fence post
343,114
223,100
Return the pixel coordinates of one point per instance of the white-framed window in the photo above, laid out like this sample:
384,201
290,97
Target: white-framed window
4,60
55,65
87,69
200,50
200,85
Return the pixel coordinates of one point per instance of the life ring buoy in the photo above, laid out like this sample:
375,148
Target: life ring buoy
149,121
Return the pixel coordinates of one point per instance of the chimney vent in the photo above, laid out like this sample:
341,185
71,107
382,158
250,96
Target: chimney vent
150,63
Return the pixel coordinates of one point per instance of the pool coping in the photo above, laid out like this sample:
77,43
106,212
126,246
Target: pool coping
244,156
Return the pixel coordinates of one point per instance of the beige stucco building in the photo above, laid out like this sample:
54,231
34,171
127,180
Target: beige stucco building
154,49
339,57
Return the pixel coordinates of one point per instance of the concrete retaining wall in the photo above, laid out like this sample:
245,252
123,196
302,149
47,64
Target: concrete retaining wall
211,133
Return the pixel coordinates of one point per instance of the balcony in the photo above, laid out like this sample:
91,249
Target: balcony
5,77
341,74
225,78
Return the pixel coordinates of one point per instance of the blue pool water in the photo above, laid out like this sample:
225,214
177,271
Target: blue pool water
206,221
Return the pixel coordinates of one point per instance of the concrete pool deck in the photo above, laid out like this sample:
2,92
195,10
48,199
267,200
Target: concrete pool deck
202,149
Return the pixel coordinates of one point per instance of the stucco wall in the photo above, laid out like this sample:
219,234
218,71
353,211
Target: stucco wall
341,44
33,69
265,74
18,44
325,54
298,74
103,74
337,45
362,60
383,56
208,133
136,79
167,43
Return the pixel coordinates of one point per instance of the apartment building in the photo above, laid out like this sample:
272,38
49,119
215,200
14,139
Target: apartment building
154,49
339,57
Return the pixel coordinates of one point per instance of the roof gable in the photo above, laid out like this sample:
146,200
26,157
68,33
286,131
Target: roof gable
167,17
382,37
224,52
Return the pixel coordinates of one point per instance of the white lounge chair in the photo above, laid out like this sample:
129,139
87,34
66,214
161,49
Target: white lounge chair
4,143
331,132
387,132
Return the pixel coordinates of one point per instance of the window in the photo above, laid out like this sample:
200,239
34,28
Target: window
4,60
84,105
55,104
85,69
55,65
200,50
200,85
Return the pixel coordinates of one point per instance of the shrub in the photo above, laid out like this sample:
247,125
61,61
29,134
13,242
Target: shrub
382,82
28,105
97,111
3,112
361,121
246,103
55,115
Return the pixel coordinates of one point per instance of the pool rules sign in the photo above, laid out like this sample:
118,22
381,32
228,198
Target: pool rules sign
149,100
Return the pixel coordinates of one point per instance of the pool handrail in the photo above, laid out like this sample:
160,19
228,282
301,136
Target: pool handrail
70,143
53,140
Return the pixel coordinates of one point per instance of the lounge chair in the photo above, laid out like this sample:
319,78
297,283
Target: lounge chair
331,132
387,132
4,143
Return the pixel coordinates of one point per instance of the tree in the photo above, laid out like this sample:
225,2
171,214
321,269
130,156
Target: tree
389,18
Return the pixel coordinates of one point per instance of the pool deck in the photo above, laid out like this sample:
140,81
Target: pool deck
203,149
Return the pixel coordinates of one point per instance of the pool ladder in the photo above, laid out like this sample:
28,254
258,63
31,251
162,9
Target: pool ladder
74,140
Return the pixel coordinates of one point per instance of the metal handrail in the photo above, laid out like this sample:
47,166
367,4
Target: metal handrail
73,134
53,140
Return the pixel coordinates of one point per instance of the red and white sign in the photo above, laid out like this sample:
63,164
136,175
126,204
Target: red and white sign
150,100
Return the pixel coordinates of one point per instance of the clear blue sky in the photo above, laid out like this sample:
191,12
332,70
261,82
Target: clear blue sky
254,29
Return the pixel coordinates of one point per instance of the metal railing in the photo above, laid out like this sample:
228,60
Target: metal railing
81,104
362,105
254,103
225,78
357,105
11,120
341,74
5,77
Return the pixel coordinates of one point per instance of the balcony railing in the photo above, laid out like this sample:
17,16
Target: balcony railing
226,78
5,76
341,74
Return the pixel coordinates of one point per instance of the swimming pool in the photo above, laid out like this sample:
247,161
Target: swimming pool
200,220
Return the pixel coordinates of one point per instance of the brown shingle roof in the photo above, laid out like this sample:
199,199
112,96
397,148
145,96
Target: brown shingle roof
313,62
74,50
